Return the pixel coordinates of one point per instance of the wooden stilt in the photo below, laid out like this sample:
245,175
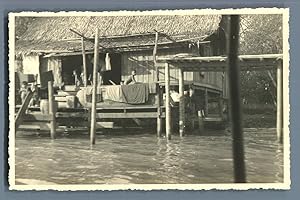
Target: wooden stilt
52,111
220,106
279,121
168,106
94,95
206,101
84,63
200,122
158,95
181,103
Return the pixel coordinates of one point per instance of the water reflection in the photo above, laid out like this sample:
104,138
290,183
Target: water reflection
144,158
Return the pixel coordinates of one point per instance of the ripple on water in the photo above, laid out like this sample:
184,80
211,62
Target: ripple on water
145,159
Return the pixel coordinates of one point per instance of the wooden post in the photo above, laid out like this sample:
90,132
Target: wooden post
200,122
51,110
206,101
94,95
158,96
168,106
84,63
220,105
181,103
235,101
279,120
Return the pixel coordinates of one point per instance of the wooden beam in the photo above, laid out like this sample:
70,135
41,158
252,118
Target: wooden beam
168,106
158,96
52,110
138,115
181,103
279,120
94,95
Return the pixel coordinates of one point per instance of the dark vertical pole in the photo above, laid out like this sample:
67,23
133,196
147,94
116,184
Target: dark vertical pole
84,63
158,96
234,95
95,69
181,103
279,119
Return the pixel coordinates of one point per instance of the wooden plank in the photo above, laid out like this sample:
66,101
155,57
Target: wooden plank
37,117
138,115
22,110
35,126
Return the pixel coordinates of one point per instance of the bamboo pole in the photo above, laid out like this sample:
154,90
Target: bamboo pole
279,120
234,94
158,96
181,103
94,95
51,110
168,106
84,62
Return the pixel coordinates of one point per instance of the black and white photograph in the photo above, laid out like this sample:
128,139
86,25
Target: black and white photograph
149,100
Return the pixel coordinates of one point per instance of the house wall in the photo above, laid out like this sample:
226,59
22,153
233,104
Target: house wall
31,64
142,62
54,64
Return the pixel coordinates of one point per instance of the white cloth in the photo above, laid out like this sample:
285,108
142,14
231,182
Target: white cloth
107,62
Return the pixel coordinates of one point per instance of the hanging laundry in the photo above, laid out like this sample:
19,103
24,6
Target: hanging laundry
107,62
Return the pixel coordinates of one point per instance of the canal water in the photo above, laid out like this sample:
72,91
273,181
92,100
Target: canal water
141,157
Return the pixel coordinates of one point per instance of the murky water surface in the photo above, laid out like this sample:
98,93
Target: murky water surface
141,157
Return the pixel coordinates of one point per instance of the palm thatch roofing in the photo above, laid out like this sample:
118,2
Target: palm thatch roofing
53,34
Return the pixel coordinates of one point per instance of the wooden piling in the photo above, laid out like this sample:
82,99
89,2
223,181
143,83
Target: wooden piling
200,122
220,106
94,95
279,120
84,62
181,103
206,101
235,101
52,111
168,106
158,95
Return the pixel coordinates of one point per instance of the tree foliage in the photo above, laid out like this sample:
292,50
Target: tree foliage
260,34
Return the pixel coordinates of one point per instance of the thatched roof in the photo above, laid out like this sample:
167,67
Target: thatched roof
53,33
